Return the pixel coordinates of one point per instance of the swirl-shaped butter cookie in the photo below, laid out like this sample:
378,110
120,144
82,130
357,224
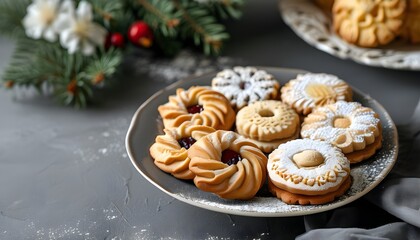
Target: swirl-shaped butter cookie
268,123
355,129
368,23
310,90
170,150
306,171
245,85
199,105
228,165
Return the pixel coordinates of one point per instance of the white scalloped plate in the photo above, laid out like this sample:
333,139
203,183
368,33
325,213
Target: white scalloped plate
312,25
145,126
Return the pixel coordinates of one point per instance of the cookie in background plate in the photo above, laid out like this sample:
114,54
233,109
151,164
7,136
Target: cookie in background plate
245,85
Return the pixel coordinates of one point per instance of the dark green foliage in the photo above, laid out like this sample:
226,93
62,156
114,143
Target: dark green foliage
71,78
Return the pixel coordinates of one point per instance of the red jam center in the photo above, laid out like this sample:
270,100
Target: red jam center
195,109
230,157
186,142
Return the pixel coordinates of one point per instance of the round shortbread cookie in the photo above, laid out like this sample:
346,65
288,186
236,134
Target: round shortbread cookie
267,120
199,105
228,165
245,85
291,198
170,150
347,125
310,90
308,167
368,23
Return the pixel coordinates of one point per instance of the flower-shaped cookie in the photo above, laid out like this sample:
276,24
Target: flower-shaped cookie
368,23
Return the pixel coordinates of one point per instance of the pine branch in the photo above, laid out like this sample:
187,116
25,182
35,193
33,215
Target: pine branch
160,15
12,13
202,26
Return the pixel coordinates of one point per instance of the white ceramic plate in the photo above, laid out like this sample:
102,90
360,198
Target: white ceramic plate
311,24
145,126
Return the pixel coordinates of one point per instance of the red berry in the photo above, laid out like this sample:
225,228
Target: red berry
140,34
195,109
114,39
186,142
230,157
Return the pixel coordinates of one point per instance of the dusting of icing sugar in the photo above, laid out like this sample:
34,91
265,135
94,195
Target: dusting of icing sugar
282,169
296,91
244,85
363,122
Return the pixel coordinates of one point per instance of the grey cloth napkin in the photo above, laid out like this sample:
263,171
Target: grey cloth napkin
398,194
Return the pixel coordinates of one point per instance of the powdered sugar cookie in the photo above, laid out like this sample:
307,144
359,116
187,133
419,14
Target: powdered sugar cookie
199,105
368,23
347,125
245,85
308,167
310,90
268,123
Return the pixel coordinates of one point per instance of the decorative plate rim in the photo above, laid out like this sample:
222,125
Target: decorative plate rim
230,209
311,24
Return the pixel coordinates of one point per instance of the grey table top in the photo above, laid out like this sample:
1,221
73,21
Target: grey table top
65,173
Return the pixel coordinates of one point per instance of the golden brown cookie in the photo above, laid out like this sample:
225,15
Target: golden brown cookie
411,28
310,90
325,5
312,168
268,123
228,165
245,85
199,105
368,23
292,198
347,125
170,150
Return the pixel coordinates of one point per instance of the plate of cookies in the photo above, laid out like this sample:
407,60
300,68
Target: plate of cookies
267,142
376,33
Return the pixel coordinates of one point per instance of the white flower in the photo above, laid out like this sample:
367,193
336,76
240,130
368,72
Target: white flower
77,30
38,22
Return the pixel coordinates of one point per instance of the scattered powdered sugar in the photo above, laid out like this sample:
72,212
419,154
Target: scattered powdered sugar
185,64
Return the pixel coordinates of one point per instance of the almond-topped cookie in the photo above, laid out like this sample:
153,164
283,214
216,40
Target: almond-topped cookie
355,129
305,171
228,165
199,105
310,90
245,85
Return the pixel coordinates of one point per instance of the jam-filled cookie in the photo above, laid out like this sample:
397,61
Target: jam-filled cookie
245,85
355,129
310,90
199,105
268,124
305,171
170,150
228,165
368,23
